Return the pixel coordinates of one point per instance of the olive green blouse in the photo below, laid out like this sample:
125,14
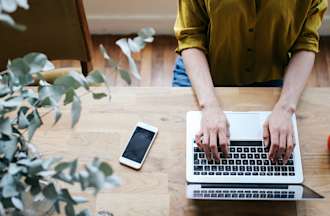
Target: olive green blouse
248,41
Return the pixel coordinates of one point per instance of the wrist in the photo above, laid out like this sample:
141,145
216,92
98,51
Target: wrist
286,106
209,104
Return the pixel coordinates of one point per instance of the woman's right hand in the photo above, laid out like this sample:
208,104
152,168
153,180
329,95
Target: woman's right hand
214,127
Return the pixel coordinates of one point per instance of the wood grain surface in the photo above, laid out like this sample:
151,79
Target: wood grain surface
159,188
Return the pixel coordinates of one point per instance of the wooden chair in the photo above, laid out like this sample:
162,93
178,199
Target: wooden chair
57,28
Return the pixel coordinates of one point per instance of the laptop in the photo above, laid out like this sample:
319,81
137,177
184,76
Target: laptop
246,174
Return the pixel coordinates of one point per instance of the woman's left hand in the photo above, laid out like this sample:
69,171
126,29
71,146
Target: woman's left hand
278,134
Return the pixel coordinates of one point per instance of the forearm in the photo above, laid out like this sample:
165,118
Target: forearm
199,73
295,79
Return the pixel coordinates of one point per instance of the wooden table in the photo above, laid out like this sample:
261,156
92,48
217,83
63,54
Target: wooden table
159,188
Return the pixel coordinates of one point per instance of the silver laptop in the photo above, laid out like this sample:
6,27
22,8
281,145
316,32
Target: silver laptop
246,174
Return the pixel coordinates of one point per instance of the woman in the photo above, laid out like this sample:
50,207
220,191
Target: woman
247,43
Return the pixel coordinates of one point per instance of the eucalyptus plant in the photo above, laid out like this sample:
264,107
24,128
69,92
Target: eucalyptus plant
22,169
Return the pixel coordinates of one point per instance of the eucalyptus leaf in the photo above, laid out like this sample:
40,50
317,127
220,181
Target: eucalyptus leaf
36,61
17,203
8,148
95,77
85,212
9,6
69,210
124,46
50,192
99,95
106,169
125,76
5,126
75,111
22,71
35,123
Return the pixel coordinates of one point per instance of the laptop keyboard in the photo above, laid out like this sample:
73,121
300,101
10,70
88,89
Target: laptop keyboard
245,158
244,194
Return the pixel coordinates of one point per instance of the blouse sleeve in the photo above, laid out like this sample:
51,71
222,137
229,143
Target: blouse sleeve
309,37
191,25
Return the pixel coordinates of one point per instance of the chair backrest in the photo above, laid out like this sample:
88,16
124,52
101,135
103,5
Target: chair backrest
57,28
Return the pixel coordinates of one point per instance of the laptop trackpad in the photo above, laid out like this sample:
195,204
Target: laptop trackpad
245,126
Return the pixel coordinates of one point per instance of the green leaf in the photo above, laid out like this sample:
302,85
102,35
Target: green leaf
107,57
62,166
75,110
95,77
85,212
79,200
9,6
124,46
106,169
69,210
97,96
50,192
5,126
36,61
17,203
125,76
8,148
23,122
79,78
69,96
35,123
14,169
57,115
21,70
67,82
67,197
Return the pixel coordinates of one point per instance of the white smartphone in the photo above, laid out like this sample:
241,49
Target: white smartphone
138,145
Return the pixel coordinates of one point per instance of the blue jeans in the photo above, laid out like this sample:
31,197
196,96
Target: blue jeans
181,79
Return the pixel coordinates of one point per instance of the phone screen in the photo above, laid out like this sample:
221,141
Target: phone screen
138,145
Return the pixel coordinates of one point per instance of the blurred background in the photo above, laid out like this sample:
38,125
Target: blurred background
108,20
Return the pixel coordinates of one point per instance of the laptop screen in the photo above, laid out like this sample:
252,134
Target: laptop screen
281,192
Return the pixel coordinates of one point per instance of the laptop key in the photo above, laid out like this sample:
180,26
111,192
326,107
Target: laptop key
196,173
256,168
260,150
211,173
226,173
236,155
249,169
214,168
250,156
252,162
240,173
203,162
253,150
235,168
247,173
242,168
256,156
259,162
207,168
201,155
195,156
196,149
246,150
239,150
231,162
204,173
228,168
245,162
232,149
221,168
255,173
196,162
238,162
291,168
224,162
290,162
243,156
198,168
218,173
264,156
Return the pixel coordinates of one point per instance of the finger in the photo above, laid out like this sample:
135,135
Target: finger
214,146
198,139
274,144
289,149
228,130
223,141
266,134
206,143
282,146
